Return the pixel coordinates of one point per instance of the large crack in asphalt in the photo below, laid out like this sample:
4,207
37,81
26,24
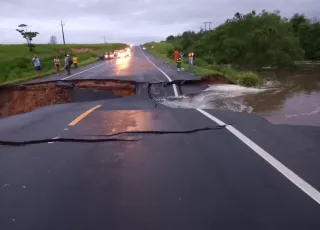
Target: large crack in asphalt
99,140
80,140
160,132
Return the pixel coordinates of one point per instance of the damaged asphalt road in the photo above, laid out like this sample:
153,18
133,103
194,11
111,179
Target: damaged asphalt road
97,140
184,169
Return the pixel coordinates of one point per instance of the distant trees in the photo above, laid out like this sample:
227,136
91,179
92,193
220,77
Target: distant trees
28,35
53,40
170,38
308,32
254,39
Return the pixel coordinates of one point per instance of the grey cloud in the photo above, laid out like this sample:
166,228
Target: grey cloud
135,20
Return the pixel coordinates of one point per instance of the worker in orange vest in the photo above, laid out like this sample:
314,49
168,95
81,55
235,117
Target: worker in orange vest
190,56
176,55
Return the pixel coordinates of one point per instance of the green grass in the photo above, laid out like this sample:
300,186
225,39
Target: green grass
16,61
164,51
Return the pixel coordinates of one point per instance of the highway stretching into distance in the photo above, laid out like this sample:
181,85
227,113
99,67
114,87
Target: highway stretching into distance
205,169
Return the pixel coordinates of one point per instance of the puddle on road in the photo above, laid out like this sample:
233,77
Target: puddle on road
16,99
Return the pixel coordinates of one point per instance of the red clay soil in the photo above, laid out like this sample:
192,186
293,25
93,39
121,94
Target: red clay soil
122,89
16,99
215,80
210,80
21,99
107,85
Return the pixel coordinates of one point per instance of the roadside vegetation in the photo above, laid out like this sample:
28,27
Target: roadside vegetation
16,60
164,50
246,42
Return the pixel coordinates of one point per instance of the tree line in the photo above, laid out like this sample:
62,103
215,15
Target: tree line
254,40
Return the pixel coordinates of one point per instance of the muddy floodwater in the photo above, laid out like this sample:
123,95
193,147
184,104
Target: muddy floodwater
287,97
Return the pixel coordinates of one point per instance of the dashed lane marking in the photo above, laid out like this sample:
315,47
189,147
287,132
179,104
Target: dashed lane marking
83,115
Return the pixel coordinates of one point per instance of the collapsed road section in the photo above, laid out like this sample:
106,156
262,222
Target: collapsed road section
16,99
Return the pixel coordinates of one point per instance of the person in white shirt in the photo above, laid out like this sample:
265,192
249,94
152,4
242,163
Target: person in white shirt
36,63
57,64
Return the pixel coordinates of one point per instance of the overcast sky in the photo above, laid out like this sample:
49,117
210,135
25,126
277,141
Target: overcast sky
129,21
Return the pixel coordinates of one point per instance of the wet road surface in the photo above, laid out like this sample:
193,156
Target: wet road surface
207,169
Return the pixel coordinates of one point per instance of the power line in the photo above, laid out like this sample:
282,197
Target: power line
62,24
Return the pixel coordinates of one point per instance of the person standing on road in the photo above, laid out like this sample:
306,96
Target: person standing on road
57,64
67,63
75,61
176,55
36,63
179,63
190,56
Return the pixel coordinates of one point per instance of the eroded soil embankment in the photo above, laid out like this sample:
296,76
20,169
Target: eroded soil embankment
215,80
209,80
16,99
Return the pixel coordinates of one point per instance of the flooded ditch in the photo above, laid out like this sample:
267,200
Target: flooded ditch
16,99
287,97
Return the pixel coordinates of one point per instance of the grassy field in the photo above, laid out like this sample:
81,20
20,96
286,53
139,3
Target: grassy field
16,60
164,51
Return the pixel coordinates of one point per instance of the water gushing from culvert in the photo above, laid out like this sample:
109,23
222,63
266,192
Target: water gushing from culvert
230,97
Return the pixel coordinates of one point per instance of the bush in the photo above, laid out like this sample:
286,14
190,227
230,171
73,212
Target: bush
209,59
200,62
170,53
248,79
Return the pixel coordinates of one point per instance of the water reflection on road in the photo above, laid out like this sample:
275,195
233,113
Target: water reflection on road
122,65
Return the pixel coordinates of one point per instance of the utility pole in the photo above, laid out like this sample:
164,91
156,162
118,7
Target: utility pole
104,37
62,24
205,25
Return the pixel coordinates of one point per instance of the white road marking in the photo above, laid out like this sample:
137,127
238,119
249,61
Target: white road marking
170,80
290,175
285,171
84,71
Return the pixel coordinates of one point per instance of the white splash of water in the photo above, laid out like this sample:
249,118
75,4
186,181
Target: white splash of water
271,84
234,89
229,97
